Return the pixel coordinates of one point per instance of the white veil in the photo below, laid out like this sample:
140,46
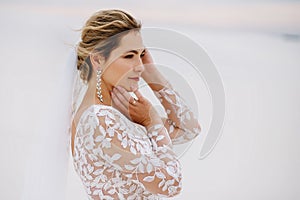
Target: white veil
47,170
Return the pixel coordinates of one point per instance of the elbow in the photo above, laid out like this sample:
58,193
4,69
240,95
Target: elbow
170,186
173,184
196,131
166,185
199,128
175,189
196,127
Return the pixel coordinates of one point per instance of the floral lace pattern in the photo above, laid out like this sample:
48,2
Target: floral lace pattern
183,126
119,159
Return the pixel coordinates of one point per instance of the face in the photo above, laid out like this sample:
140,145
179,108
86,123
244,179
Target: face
124,66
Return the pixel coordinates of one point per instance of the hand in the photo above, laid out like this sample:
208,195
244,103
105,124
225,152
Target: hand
151,74
148,63
139,111
147,58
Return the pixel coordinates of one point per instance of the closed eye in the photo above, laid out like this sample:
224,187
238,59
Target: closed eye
131,55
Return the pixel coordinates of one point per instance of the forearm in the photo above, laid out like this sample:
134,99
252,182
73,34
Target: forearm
181,125
170,100
179,115
155,79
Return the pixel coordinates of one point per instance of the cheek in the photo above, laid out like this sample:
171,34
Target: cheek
116,72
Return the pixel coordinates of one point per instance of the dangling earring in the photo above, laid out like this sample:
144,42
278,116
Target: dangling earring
99,94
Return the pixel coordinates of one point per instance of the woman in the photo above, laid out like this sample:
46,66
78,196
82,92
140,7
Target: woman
121,147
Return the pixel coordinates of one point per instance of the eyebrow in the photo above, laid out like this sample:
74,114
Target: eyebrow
134,51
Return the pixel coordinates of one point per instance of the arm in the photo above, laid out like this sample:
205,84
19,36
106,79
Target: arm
181,123
152,162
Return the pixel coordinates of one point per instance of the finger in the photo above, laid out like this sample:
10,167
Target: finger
139,95
122,98
127,96
118,103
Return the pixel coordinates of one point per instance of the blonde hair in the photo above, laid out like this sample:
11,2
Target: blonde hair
102,33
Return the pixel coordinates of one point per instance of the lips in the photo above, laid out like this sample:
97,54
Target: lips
135,78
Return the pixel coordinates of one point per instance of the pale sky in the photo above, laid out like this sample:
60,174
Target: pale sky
280,16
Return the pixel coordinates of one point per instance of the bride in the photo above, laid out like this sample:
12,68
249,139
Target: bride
121,147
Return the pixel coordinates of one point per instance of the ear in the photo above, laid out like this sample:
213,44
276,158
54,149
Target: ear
97,60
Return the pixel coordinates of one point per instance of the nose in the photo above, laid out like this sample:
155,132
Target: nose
139,66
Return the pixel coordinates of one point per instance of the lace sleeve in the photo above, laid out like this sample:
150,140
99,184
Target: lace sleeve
181,123
119,144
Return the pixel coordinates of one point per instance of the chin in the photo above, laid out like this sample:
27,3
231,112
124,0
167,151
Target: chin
135,87
128,88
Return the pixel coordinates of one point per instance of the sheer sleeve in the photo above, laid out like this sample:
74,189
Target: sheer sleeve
181,123
120,145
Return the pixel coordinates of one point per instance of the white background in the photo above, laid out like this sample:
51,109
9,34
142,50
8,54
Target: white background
255,48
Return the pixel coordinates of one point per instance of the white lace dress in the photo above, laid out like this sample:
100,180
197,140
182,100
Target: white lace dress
118,159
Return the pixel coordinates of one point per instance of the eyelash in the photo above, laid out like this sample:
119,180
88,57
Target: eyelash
131,55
